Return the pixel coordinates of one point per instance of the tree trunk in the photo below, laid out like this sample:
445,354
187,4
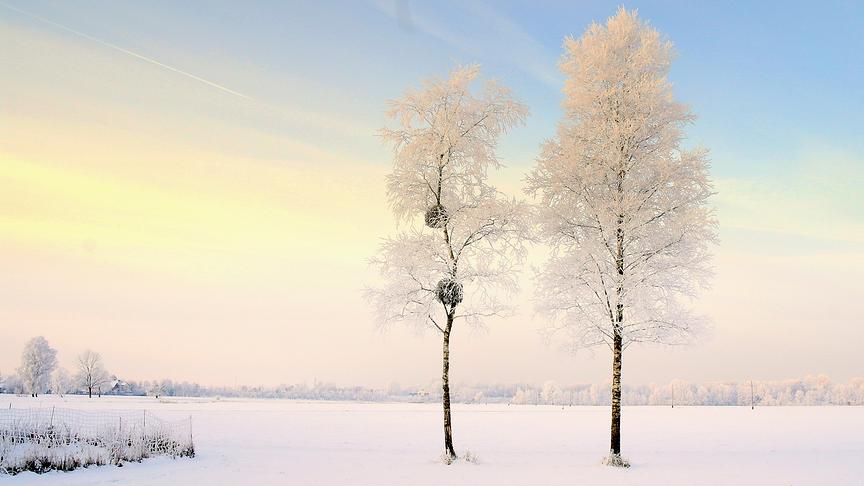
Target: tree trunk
615,443
618,326
89,392
445,379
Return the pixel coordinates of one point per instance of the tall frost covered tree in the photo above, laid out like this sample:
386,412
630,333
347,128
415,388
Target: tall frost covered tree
456,258
38,361
622,204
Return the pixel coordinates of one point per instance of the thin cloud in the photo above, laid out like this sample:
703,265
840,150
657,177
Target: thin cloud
126,51
510,42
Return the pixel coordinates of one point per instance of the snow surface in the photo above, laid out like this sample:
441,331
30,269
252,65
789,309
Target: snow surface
346,443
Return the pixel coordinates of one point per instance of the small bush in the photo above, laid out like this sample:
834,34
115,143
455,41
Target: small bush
447,459
33,440
615,460
469,457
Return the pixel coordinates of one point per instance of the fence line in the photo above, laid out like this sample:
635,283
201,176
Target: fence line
42,439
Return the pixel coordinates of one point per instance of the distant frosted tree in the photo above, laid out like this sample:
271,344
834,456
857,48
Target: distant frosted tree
551,393
523,396
156,389
623,205
61,382
37,362
463,242
91,372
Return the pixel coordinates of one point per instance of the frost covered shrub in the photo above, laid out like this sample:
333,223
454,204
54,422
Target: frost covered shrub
471,457
448,459
42,440
24,448
615,460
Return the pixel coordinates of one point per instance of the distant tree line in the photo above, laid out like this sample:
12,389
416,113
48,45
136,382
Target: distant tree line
810,390
39,373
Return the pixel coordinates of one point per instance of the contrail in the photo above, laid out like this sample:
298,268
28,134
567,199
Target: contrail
126,51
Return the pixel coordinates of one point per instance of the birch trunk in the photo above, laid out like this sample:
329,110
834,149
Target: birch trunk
615,443
445,379
617,325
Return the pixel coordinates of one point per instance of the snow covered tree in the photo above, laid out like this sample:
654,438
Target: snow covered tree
61,382
622,204
91,372
11,384
458,256
37,362
157,389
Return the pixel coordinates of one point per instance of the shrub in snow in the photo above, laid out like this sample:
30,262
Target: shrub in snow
42,440
615,460
469,457
447,458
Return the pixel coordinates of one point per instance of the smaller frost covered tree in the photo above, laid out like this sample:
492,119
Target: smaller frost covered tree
457,258
37,363
623,205
91,372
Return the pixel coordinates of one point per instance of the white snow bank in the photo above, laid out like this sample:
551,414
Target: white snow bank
327,443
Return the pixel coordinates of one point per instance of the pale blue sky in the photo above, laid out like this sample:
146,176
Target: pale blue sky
767,79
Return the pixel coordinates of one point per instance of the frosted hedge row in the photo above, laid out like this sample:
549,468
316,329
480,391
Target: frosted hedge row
45,439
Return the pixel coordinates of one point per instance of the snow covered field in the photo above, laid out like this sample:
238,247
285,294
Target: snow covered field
329,443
